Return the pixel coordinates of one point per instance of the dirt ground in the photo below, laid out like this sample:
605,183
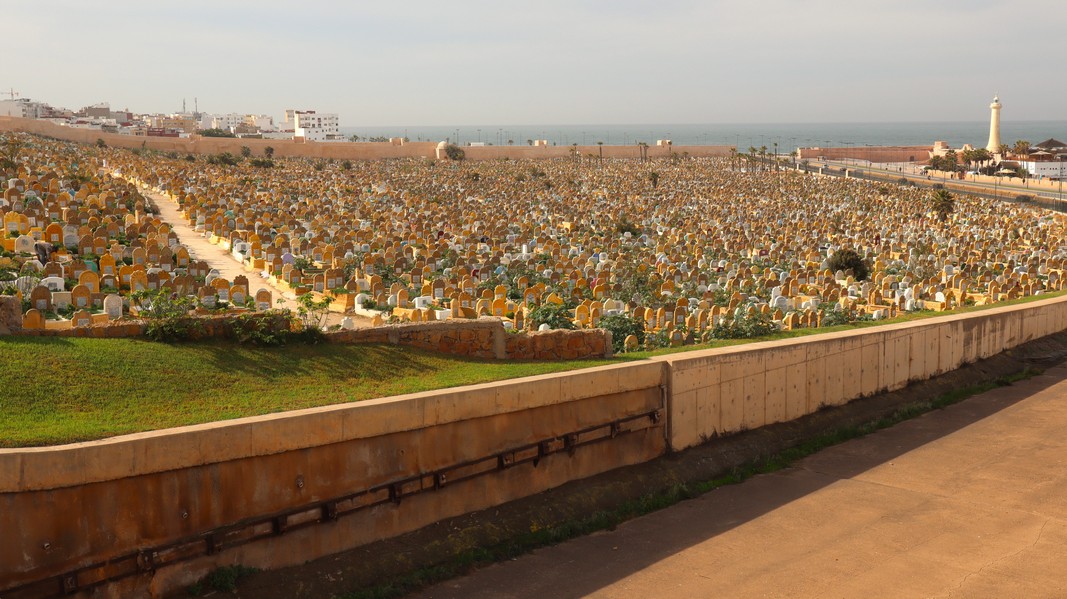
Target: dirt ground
378,562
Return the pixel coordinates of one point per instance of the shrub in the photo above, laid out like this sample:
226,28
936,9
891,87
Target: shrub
454,152
246,151
167,315
556,316
215,133
622,326
1024,198
262,162
225,159
100,143
625,226
222,580
847,259
744,327
269,328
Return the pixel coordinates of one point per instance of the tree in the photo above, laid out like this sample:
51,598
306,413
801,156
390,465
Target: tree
215,133
1021,148
653,178
246,151
454,152
943,203
268,152
846,259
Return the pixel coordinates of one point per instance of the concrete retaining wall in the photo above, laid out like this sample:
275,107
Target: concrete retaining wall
152,512
309,483
721,391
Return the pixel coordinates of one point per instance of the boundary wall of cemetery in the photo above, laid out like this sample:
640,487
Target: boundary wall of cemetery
163,508
483,338
341,150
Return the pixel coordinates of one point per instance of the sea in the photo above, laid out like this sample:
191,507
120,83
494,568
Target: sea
744,136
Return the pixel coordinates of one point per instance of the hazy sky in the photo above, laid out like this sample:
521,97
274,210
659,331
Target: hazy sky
417,62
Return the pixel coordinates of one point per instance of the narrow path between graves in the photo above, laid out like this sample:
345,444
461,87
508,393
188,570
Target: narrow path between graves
223,261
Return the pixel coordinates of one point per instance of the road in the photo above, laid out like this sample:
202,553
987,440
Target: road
969,501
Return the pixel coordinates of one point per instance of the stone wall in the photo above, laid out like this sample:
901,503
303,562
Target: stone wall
10,315
880,154
153,512
338,150
485,338
726,390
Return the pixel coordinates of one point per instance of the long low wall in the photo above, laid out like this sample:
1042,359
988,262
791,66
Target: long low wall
151,512
341,150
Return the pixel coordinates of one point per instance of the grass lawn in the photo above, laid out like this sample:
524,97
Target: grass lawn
57,390
60,390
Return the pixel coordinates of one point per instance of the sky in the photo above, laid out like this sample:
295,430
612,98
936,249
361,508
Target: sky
419,62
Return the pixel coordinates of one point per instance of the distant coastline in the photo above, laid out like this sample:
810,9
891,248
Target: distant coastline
787,135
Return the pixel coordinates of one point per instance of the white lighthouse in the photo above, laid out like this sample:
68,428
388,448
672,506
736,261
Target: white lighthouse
994,127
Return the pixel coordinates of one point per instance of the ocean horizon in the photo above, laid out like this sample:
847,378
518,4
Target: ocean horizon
786,135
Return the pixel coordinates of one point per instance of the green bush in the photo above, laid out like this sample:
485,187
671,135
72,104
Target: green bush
622,326
267,329
556,316
223,159
167,316
846,259
744,327
454,152
222,580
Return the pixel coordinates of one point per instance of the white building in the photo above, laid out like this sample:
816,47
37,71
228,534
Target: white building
226,122
314,126
1045,169
22,108
263,122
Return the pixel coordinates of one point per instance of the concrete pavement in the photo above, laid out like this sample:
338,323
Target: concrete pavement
969,501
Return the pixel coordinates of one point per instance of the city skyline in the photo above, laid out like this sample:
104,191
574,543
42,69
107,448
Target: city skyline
551,62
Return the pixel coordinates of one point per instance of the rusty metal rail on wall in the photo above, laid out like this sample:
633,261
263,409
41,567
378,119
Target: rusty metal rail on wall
261,527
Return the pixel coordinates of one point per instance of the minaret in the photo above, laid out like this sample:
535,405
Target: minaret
994,127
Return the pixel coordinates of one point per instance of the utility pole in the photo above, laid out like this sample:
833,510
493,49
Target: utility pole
12,93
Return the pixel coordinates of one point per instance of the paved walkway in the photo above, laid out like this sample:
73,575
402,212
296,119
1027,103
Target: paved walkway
970,501
223,261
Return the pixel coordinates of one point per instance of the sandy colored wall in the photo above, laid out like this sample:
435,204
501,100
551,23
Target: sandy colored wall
336,150
484,338
721,391
874,154
159,494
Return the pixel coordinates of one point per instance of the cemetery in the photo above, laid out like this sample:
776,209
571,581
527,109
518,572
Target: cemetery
698,252
616,304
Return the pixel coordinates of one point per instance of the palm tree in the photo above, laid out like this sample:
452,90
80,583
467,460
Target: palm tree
1022,148
943,203
1003,149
